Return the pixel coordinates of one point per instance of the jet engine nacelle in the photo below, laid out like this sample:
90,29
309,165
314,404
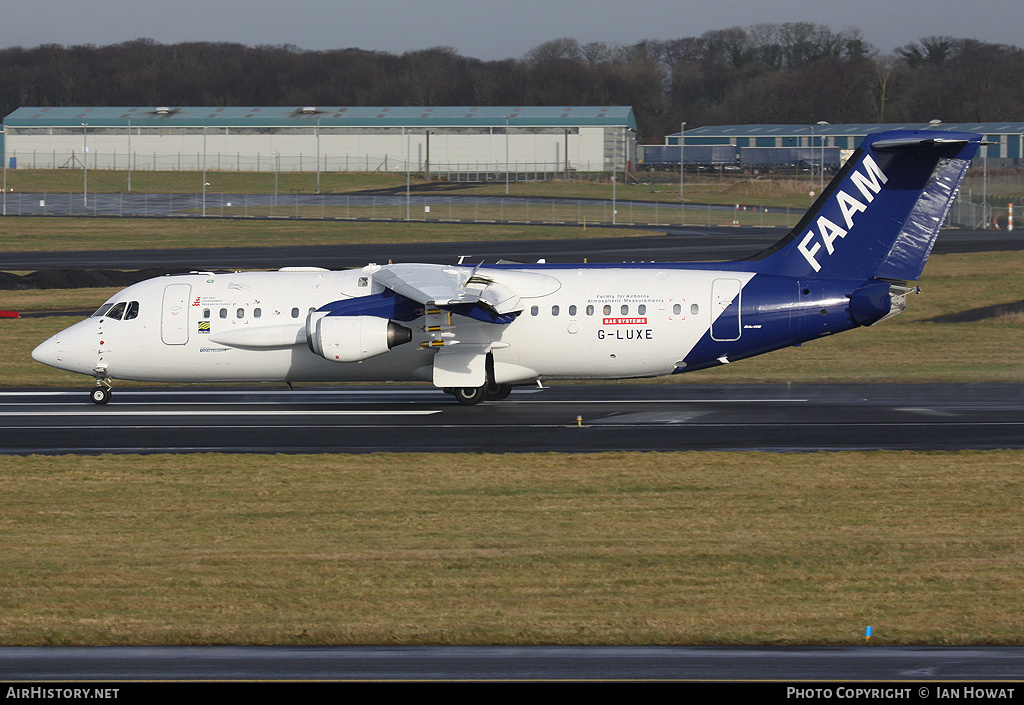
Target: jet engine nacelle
353,338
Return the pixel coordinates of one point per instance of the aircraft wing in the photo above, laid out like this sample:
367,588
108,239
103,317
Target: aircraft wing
449,286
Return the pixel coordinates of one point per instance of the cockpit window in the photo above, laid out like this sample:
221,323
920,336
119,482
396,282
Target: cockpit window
102,310
116,311
133,311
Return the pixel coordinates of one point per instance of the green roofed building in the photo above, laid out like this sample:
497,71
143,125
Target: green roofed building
453,140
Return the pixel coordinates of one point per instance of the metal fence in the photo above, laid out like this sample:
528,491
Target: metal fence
966,214
437,208
483,209
520,170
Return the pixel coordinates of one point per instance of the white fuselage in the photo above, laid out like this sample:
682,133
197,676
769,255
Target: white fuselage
584,323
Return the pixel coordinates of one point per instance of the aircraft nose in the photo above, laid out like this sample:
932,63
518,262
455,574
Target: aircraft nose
72,349
46,352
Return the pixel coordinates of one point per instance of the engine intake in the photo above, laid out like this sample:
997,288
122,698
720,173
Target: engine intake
353,338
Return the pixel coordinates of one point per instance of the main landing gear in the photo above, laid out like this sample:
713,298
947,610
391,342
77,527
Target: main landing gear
100,394
469,396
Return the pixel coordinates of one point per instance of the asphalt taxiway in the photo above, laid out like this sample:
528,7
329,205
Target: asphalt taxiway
676,244
573,418
534,663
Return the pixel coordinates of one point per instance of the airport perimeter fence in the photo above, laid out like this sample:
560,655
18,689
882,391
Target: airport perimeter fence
340,207
430,208
470,171
980,216
966,214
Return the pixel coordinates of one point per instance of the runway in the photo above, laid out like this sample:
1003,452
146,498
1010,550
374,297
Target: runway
424,663
675,245
569,418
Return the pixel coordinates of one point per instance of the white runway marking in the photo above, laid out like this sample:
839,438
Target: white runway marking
298,400
242,392
650,418
238,412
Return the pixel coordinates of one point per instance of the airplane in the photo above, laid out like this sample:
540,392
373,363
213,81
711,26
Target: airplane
477,331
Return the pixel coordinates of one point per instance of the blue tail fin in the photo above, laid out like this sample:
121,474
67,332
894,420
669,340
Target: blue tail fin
881,214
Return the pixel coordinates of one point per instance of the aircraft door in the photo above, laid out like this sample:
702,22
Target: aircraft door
174,314
725,308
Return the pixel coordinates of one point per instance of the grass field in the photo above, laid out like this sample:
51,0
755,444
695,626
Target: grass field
57,234
677,548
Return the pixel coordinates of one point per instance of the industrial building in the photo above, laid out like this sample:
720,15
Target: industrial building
460,142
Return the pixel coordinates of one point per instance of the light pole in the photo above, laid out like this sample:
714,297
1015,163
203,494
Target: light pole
129,154
506,155
318,154
408,173
614,169
204,171
85,167
821,182
812,161
984,189
613,196
682,204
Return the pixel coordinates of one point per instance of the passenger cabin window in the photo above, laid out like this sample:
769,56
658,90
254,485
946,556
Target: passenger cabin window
257,312
572,310
624,311
240,313
534,310
641,309
676,309
607,310
694,309
295,313
206,313
590,310
554,310
223,313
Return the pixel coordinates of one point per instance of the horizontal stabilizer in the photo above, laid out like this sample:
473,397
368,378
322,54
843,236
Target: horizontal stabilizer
913,143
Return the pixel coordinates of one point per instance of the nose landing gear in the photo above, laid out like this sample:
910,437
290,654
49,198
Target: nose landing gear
101,393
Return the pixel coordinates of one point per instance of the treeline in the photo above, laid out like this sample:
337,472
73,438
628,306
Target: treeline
771,73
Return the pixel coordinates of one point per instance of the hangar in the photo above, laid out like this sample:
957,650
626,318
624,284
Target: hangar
463,142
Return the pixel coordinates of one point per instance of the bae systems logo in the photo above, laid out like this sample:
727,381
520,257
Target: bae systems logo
624,321
869,182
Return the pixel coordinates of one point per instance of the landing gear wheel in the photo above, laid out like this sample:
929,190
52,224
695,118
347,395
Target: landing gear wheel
100,395
468,396
497,392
